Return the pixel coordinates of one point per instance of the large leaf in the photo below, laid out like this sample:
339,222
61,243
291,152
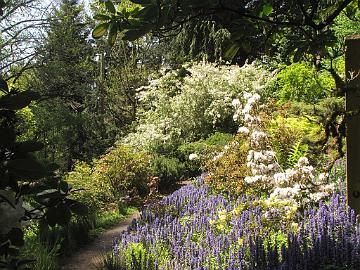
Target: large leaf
7,137
27,168
142,2
18,101
267,9
110,6
65,187
100,30
231,51
59,214
148,13
48,193
16,237
102,17
29,146
134,34
5,199
77,207
113,31
3,85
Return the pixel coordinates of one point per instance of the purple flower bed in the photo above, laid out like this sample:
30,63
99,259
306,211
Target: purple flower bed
177,234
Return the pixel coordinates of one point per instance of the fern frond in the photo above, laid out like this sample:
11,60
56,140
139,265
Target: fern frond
298,150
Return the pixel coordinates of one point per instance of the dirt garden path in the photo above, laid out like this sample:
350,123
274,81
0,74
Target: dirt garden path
88,257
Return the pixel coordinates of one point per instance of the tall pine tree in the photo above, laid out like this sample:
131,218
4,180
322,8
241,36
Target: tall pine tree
65,80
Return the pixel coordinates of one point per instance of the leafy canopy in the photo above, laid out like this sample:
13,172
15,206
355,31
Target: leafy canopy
253,24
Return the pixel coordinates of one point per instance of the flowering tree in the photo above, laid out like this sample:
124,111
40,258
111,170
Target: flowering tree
193,102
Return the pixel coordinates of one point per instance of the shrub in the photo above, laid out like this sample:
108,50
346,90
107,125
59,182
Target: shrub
92,193
260,171
189,104
202,151
124,171
290,138
45,256
169,170
301,82
119,173
228,168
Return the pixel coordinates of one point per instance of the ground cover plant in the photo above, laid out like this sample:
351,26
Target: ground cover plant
195,229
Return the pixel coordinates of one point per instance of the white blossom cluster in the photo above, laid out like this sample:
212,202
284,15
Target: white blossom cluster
298,184
176,108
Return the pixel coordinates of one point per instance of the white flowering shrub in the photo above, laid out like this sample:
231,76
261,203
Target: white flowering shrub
192,103
299,184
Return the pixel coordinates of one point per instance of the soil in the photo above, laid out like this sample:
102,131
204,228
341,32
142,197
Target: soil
89,257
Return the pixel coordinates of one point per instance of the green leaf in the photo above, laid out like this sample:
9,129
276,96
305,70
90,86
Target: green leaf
5,199
7,137
134,34
3,85
102,17
266,10
100,30
142,2
110,6
18,101
16,237
79,208
113,31
29,146
49,193
148,13
231,51
28,168
59,214
64,186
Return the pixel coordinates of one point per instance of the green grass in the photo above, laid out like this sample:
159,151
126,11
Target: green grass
108,219
46,255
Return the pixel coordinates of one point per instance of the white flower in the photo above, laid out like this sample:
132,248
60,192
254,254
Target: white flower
303,161
252,179
236,117
248,118
256,97
247,109
236,102
323,177
247,95
258,135
193,156
285,193
280,178
244,130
